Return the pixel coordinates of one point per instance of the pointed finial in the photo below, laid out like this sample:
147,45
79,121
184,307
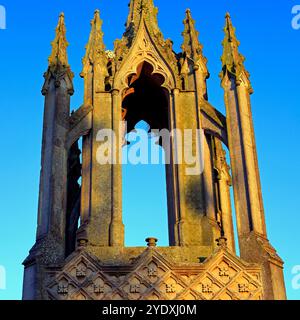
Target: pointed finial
97,21
58,60
95,47
229,29
191,45
145,9
232,60
59,55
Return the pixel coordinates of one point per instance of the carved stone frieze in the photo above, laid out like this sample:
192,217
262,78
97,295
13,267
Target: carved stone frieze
222,276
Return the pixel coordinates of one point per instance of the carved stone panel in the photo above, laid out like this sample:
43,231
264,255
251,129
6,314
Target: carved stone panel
152,277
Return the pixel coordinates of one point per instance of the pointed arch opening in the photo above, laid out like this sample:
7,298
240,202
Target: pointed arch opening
146,186
146,99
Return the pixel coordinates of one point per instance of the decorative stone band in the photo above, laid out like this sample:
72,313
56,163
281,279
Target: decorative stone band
222,276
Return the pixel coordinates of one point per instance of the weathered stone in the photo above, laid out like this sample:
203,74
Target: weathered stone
143,79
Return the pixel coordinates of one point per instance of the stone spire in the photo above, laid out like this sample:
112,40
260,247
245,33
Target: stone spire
139,9
193,56
95,49
191,45
59,58
232,60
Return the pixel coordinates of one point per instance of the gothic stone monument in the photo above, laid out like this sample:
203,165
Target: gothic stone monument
144,79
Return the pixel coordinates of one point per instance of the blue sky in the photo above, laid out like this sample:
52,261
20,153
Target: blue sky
272,49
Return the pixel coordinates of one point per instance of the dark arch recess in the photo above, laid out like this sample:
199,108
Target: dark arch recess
146,99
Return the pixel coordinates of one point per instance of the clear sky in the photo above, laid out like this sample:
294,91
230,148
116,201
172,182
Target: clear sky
272,49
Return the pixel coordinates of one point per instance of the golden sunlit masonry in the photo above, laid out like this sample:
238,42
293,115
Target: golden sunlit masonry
144,79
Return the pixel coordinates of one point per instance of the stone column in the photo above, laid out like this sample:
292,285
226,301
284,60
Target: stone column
213,214
224,183
101,202
102,183
53,180
250,159
253,242
177,220
50,242
194,226
210,202
117,226
246,182
237,159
